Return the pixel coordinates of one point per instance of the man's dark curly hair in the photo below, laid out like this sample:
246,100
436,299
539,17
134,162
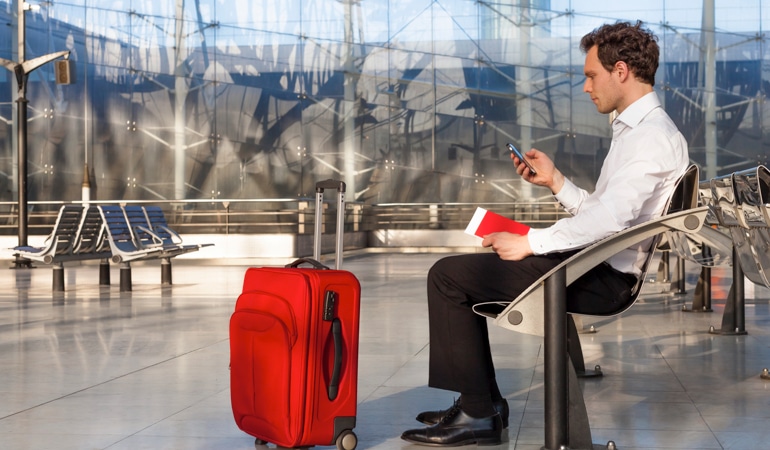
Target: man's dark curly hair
632,44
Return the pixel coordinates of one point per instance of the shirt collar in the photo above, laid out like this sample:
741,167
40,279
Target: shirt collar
637,110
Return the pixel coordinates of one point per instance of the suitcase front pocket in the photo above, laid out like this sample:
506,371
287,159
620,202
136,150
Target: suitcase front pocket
260,368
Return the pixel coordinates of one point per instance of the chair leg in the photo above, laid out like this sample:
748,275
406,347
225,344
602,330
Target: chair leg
579,428
165,271
701,301
104,272
125,277
575,351
566,418
556,362
734,316
678,286
664,269
58,277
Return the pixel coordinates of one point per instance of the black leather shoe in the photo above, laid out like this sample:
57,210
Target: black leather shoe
434,417
457,428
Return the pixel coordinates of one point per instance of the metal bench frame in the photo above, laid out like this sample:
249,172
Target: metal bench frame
541,310
132,237
77,235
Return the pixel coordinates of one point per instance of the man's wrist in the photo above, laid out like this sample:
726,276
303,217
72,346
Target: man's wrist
557,182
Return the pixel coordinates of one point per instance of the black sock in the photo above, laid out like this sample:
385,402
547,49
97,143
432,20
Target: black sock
477,405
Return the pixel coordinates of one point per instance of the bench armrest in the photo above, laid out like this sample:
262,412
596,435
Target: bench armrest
525,313
157,241
173,235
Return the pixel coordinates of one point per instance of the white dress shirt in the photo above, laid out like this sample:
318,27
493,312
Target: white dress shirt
646,157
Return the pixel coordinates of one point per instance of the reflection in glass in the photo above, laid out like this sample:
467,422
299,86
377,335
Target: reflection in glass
407,101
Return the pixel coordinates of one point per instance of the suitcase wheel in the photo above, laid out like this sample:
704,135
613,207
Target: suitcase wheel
347,440
259,442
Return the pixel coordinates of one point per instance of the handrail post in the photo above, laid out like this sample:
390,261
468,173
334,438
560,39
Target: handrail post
555,352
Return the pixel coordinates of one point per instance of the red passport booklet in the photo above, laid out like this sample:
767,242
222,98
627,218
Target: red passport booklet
486,222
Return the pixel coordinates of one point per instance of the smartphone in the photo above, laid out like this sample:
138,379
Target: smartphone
521,157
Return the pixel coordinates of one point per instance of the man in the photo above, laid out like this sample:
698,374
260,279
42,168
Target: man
647,155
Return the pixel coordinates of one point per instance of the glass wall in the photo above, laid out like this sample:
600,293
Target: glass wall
405,100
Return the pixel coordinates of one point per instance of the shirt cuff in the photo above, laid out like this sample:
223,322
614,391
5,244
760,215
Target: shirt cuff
539,240
569,195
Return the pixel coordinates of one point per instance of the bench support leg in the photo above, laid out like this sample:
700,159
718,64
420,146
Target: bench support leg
165,271
678,286
125,277
58,277
566,419
556,393
575,351
664,269
701,301
734,317
19,262
104,272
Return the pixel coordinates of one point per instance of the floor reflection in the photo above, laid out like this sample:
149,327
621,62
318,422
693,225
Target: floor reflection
94,367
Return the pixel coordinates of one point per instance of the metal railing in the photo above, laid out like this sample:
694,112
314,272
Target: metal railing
293,215
455,216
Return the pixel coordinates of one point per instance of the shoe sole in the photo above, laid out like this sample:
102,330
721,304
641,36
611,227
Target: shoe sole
479,442
505,424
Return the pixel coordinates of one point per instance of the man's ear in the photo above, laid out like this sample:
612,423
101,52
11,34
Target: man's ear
622,69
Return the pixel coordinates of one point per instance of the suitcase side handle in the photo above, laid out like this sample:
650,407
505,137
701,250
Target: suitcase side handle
334,383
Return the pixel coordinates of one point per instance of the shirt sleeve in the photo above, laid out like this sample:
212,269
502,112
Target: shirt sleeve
570,197
630,190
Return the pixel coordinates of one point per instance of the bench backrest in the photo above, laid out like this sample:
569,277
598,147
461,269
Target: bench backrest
684,197
65,230
763,181
118,228
91,236
761,235
159,225
741,205
144,237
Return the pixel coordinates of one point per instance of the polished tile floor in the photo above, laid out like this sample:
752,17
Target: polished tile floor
94,368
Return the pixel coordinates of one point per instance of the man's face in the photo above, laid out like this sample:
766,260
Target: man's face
601,85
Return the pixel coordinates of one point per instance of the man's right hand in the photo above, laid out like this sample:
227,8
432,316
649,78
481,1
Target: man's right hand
508,246
547,173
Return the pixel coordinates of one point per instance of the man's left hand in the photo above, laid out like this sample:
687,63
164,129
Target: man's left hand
508,246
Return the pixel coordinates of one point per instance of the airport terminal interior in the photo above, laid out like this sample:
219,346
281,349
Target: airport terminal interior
97,368
225,115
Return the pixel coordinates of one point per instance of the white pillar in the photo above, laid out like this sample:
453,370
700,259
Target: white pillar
524,88
709,88
349,107
180,95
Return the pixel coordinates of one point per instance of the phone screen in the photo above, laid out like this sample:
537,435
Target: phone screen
519,155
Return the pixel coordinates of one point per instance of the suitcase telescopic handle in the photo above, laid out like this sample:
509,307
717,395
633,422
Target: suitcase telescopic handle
319,195
334,383
330,184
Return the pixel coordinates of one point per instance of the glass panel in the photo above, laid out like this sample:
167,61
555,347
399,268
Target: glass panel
404,100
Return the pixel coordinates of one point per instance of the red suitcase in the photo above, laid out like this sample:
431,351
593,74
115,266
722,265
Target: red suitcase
294,349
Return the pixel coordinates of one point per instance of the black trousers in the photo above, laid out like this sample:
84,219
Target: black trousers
460,357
